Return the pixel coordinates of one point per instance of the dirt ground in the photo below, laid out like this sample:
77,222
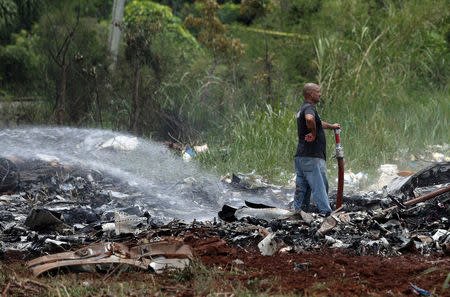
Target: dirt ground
324,272
333,272
337,273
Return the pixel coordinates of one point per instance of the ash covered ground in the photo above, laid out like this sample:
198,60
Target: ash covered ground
377,242
54,207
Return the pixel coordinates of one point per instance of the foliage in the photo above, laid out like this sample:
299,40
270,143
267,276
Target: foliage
19,62
17,15
73,45
8,18
302,11
213,34
99,9
29,12
254,8
229,13
158,15
382,65
153,37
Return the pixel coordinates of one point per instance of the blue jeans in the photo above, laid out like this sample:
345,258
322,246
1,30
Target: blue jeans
311,177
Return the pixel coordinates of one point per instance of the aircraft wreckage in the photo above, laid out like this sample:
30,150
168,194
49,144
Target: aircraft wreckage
48,209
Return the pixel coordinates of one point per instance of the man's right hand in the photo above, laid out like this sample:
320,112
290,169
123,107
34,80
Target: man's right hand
310,137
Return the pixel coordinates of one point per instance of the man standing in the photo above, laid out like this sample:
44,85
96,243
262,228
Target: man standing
311,153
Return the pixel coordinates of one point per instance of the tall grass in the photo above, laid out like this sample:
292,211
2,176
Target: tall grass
385,82
262,140
265,140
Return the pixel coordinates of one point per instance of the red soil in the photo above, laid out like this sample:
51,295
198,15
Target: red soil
329,272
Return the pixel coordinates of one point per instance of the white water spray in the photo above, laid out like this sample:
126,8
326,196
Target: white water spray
170,187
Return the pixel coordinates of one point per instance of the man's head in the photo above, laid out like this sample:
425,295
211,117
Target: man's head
311,92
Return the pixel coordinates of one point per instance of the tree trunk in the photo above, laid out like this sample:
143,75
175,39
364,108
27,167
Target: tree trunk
136,106
62,95
114,34
97,101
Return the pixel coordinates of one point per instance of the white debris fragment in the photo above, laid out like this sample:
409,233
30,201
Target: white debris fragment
125,223
90,178
79,226
439,233
380,242
11,198
66,187
120,143
268,246
226,178
354,180
161,264
438,157
186,157
189,182
330,240
114,194
47,158
388,172
55,242
201,148
286,249
238,262
108,227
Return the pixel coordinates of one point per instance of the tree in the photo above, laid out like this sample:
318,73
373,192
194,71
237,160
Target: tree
8,18
57,33
143,20
29,12
19,64
75,63
256,9
213,34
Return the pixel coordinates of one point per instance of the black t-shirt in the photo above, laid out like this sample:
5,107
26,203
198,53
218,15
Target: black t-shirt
317,148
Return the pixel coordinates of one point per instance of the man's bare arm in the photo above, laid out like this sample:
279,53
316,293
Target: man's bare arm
311,125
325,125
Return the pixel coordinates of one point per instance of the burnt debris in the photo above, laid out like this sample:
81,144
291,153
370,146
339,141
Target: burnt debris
54,208
9,176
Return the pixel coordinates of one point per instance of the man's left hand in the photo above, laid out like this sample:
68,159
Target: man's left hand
335,126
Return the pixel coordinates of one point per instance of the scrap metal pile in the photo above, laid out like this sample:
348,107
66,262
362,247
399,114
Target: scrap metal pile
72,216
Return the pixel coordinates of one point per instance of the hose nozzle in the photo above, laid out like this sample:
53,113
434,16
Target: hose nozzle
339,149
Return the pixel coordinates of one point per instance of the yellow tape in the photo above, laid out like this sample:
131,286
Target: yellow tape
271,32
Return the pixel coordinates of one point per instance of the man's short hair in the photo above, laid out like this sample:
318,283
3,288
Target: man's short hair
308,88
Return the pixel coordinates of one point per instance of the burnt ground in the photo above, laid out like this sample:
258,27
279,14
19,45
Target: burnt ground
307,265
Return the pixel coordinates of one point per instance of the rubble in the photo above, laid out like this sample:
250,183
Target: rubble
58,208
9,176
263,212
268,246
157,255
438,173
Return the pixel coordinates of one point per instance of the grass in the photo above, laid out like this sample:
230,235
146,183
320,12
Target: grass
196,280
265,140
392,100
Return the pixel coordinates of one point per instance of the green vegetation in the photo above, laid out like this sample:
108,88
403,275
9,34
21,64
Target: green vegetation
230,73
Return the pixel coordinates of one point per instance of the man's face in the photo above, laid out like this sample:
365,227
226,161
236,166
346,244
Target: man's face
315,94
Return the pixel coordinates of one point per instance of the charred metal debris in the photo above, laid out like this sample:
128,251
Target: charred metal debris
70,216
